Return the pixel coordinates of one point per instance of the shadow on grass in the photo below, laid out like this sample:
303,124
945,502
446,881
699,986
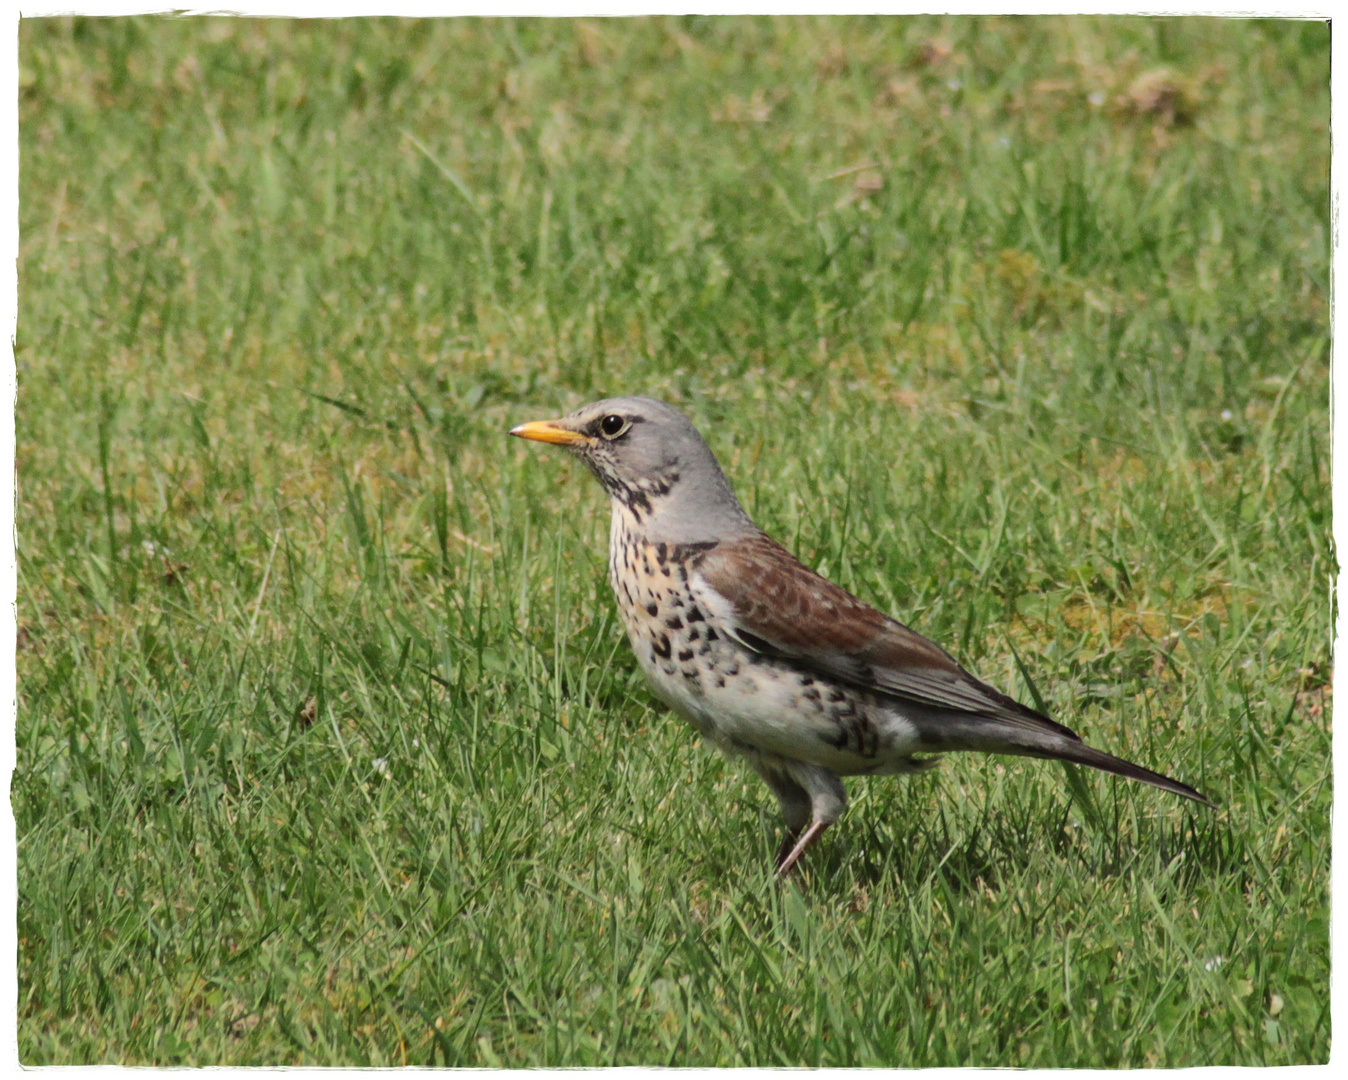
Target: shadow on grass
1003,845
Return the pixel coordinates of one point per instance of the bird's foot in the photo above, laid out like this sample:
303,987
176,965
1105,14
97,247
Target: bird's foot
786,859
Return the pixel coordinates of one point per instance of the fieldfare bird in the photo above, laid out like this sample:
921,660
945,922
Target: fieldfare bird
767,659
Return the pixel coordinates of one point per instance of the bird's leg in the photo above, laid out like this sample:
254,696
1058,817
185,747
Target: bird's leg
794,800
808,837
828,799
811,798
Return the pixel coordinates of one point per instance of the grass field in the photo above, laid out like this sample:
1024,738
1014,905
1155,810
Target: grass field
329,748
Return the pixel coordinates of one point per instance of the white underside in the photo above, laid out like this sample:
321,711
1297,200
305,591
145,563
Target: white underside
763,708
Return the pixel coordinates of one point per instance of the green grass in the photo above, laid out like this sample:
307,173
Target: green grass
330,750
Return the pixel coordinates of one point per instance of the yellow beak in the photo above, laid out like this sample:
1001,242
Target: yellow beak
549,431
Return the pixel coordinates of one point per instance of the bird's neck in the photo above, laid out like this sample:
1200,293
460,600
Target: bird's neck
680,514
633,542
627,529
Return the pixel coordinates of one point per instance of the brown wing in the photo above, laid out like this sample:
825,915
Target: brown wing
779,607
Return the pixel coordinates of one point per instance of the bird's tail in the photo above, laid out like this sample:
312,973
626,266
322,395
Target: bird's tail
1026,733
1081,754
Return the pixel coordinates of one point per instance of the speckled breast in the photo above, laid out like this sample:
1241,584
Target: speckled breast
740,700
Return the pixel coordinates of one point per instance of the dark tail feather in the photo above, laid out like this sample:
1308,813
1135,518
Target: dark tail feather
1027,733
1082,754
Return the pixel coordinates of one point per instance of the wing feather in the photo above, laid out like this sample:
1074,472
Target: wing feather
777,606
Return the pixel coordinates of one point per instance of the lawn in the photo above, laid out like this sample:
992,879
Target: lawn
329,748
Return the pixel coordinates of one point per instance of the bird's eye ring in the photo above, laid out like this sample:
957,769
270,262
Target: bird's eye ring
612,426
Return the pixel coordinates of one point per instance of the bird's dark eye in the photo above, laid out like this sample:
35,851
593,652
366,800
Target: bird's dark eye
612,426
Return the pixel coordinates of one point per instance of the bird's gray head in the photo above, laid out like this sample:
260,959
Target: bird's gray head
653,463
